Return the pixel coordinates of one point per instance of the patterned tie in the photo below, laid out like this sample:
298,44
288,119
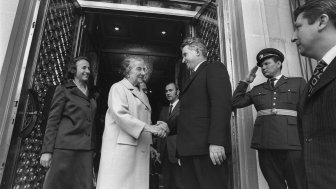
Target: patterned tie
316,75
170,109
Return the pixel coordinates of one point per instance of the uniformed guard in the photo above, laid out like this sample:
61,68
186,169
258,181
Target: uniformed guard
275,134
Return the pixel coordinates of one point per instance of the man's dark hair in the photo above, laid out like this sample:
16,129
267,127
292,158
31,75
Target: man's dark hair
312,9
176,86
194,42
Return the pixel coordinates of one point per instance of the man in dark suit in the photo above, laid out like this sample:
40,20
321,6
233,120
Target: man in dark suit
275,134
203,133
171,170
315,35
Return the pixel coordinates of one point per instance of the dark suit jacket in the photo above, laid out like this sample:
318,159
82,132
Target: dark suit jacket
317,125
71,120
167,146
273,131
205,111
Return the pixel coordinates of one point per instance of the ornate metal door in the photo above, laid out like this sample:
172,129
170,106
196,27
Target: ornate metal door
55,44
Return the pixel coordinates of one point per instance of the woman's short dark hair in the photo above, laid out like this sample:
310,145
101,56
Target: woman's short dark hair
72,67
126,64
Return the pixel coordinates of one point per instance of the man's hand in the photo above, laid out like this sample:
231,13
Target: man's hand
217,154
252,75
164,126
45,160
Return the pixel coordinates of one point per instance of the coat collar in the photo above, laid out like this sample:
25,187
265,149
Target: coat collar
328,75
136,92
71,85
194,75
282,80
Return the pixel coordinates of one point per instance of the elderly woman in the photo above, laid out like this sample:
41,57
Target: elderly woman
68,141
124,162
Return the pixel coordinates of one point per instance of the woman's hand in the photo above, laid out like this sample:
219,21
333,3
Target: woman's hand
164,126
157,130
45,160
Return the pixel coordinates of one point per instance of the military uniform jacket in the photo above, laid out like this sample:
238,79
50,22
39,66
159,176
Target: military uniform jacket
71,120
273,131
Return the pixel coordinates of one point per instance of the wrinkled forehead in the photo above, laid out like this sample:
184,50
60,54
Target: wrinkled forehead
137,63
188,48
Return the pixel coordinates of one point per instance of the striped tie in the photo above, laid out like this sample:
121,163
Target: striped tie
316,76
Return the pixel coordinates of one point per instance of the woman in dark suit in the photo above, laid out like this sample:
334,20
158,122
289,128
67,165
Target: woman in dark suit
68,143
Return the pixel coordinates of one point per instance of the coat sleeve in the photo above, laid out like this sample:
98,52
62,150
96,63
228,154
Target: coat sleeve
54,118
119,109
240,97
219,94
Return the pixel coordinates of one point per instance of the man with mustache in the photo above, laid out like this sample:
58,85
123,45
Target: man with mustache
275,134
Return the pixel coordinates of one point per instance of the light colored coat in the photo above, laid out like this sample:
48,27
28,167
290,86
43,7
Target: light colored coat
124,162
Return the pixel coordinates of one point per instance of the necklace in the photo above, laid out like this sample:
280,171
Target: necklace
83,89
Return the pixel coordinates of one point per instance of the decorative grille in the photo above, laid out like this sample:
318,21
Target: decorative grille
207,29
54,54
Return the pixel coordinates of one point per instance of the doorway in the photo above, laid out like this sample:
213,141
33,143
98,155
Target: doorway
112,36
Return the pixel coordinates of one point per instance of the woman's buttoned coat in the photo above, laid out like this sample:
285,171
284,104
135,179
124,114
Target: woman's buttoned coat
124,162
71,120
70,138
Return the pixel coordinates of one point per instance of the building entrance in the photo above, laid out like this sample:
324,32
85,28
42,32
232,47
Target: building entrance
64,30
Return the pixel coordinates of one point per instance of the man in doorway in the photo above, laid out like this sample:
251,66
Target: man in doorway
171,170
203,133
315,36
275,134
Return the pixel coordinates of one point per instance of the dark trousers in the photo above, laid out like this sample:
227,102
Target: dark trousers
198,172
282,168
70,169
171,175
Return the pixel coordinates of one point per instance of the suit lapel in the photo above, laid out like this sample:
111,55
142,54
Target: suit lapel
199,70
136,92
303,99
327,76
175,110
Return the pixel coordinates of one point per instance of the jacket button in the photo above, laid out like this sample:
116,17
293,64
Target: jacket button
308,140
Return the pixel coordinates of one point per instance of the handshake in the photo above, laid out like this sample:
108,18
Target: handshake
160,129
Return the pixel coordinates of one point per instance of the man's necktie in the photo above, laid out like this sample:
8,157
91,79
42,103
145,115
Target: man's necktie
316,75
170,109
272,82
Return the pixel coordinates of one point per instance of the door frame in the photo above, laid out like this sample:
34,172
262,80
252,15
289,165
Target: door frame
13,71
232,48
233,53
